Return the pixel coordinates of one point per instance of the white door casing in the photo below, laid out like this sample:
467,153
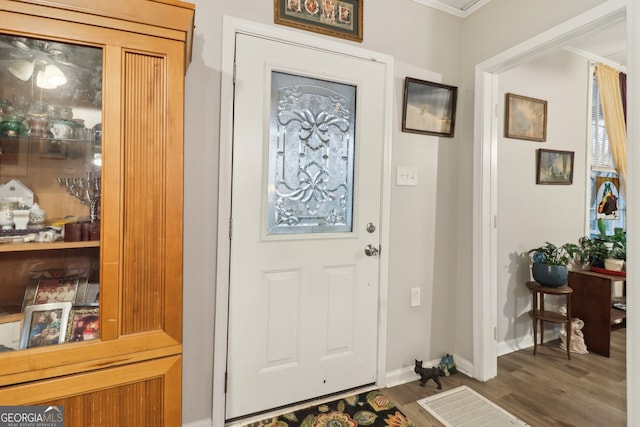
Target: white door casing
303,308
486,131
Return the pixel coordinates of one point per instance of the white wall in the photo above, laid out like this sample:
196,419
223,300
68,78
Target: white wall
530,214
424,43
431,219
413,246
494,28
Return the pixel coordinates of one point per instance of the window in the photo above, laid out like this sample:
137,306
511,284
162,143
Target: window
603,182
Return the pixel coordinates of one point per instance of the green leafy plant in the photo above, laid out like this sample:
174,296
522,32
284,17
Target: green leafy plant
591,250
554,255
595,250
619,249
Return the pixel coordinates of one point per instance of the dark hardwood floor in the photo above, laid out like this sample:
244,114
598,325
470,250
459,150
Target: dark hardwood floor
542,390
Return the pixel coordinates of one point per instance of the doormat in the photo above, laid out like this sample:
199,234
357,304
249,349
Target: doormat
371,409
462,406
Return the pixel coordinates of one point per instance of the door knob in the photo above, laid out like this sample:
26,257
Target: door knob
371,250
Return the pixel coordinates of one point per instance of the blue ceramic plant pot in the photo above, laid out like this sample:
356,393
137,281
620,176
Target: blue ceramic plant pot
550,275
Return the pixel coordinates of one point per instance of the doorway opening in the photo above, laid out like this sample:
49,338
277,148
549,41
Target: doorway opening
486,134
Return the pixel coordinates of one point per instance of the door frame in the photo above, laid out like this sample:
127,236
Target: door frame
485,190
231,27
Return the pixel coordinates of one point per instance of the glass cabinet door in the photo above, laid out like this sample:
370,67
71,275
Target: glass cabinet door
50,191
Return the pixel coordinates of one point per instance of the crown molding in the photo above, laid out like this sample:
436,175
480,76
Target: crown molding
452,10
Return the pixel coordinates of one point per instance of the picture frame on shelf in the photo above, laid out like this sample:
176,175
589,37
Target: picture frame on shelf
554,167
525,118
92,296
29,294
56,285
336,18
44,324
429,108
83,324
56,290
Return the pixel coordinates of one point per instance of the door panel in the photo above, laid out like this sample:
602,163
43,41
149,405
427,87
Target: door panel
303,303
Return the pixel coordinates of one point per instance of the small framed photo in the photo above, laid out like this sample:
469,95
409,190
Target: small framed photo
525,118
554,167
44,324
56,290
57,285
92,296
429,108
29,294
337,18
83,324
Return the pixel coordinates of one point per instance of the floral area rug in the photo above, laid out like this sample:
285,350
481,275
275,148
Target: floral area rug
367,409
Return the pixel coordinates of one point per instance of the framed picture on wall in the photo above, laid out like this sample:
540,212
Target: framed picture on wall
525,118
429,108
337,18
554,167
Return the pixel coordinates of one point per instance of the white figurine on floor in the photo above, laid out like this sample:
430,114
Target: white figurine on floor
577,337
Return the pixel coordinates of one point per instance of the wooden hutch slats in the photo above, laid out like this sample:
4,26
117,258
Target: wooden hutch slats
145,151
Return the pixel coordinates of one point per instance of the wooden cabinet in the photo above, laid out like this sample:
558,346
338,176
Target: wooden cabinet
592,303
136,394
135,257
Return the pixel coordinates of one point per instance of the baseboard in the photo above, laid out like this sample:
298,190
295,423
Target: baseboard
200,423
520,343
406,375
399,377
463,365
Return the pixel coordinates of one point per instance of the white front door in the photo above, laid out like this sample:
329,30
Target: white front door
309,127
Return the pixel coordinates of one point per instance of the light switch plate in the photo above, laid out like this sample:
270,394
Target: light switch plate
415,297
407,175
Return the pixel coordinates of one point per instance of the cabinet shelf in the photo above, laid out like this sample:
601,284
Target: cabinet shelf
9,318
618,316
20,247
9,138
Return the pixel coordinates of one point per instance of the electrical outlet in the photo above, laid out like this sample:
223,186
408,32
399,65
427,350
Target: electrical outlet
415,297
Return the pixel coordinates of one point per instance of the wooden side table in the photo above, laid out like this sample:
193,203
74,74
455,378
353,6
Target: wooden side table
539,313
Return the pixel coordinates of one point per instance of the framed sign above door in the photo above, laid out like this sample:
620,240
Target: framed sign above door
334,18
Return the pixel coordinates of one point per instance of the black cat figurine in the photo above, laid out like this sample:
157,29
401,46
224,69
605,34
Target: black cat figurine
427,373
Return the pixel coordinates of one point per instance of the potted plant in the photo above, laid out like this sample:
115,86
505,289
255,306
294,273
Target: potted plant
617,255
595,251
592,251
550,263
